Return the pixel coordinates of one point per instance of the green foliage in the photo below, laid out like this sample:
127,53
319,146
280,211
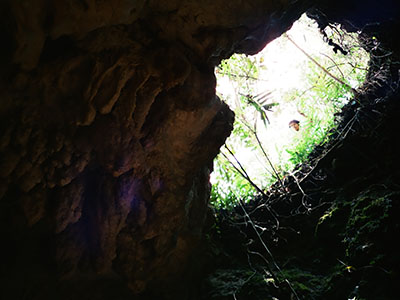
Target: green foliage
241,70
231,185
239,284
368,221
304,282
326,88
240,67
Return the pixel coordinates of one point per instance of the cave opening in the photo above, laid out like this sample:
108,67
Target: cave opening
109,127
287,101
324,229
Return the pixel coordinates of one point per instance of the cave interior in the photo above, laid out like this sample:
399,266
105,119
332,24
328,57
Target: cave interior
108,130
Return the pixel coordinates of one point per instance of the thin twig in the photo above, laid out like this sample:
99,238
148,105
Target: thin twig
267,249
320,66
242,171
242,76
336,65
269,161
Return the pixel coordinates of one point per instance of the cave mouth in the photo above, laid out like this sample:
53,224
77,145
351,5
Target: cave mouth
286,100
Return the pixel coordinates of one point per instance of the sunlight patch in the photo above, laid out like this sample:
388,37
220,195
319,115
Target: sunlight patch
304,76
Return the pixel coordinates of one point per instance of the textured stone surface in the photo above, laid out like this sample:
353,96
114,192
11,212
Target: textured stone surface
108,126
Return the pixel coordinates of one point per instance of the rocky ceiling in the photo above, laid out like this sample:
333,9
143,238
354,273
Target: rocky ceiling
109,123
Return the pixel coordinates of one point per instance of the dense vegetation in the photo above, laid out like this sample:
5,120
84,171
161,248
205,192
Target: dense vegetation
256,155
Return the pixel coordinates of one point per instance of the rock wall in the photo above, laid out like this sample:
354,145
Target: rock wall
109,124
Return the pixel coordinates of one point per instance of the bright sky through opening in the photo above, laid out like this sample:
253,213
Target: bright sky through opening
282,70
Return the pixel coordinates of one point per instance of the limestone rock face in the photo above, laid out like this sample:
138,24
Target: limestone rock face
109,123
